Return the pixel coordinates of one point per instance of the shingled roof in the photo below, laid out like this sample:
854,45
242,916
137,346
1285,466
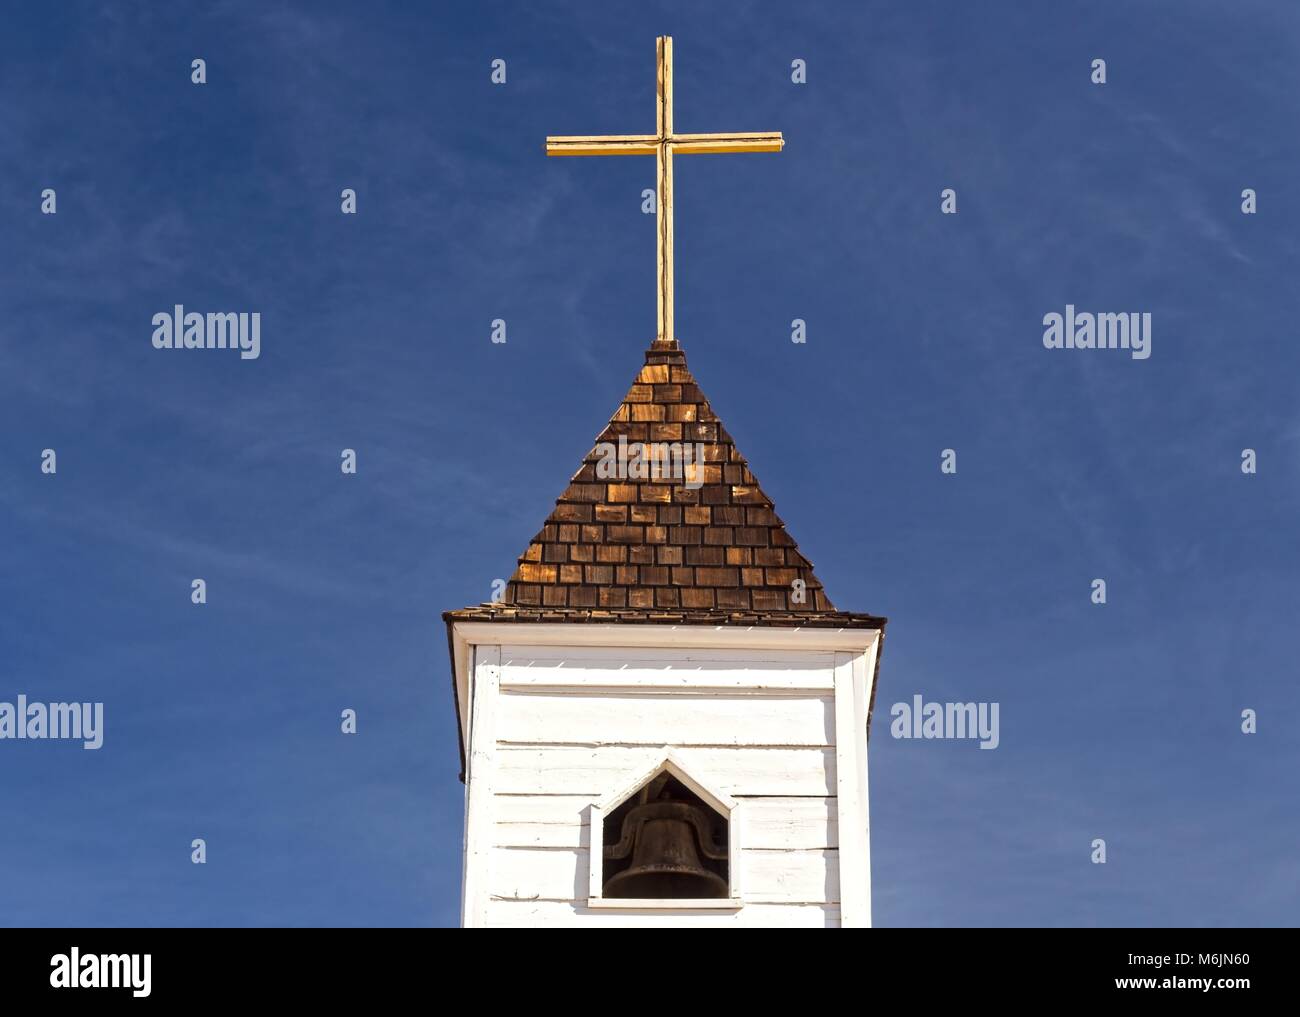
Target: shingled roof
701,544
702,548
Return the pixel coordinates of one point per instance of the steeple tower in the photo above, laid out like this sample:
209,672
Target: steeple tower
664,720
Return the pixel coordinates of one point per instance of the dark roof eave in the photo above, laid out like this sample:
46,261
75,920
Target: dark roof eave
665,616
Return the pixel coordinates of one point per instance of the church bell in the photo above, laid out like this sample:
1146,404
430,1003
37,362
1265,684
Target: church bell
677,849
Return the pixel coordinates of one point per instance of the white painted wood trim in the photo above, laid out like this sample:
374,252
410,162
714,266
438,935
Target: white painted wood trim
864,678
850,777
464,855
576,914
591,771
758,637
672,761
656,904
480,765
596,855
531,716
736,859
808,684
755,637
707,671
668,652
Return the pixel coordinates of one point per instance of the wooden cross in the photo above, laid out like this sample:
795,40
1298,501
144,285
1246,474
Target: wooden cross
663,144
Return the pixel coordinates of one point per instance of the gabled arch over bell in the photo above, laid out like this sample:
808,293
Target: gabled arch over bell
665,834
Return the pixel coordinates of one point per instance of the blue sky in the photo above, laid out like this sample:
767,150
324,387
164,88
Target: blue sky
1119,721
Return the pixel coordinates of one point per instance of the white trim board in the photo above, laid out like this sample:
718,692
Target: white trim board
466,634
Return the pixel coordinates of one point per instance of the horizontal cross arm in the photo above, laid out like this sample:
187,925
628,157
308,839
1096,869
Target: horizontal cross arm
703,144
602,144
646,144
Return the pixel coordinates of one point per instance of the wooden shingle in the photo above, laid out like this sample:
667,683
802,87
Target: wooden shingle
694,543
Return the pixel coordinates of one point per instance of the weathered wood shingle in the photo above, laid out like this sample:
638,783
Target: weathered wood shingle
707,546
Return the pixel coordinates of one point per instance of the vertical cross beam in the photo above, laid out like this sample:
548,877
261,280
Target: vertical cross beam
663,144
664,189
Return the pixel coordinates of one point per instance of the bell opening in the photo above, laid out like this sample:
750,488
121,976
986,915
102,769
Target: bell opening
665,842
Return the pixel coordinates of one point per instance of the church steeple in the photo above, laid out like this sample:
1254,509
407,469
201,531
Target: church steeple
693,751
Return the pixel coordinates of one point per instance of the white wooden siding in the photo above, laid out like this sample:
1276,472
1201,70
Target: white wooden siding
571,724
555,821
560,874
563,914
592,771
590,668
525,655
549,717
